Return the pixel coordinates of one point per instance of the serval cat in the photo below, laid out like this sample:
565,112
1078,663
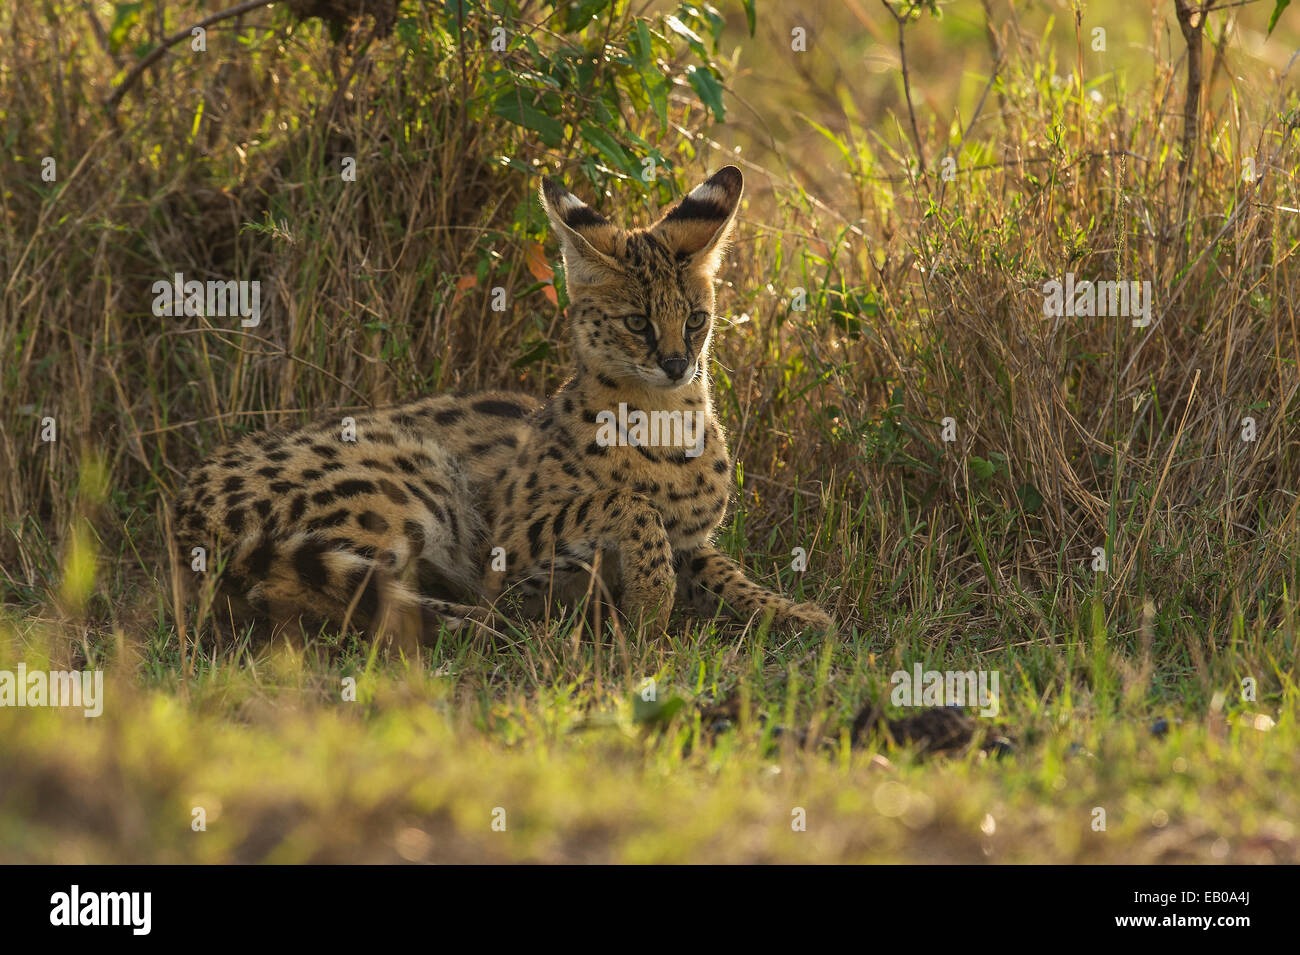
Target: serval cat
434,511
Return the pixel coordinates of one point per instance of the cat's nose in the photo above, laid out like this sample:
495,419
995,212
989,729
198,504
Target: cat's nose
674,368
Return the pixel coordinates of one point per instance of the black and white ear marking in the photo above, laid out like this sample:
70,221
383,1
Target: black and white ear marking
697,228
571,211
586,237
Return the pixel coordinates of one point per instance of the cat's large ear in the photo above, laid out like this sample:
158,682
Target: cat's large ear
586,237
698,227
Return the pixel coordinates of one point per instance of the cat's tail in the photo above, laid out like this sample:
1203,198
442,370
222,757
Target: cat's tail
305,576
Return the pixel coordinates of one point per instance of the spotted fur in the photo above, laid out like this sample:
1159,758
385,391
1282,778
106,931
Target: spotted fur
449,505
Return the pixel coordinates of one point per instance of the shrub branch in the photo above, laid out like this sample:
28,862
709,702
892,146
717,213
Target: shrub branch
154,55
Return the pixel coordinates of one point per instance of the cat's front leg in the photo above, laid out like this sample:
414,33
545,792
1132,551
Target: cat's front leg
709,581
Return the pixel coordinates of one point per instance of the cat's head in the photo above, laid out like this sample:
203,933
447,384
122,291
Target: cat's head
641,300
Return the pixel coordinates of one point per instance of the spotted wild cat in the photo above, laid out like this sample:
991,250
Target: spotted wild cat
437,510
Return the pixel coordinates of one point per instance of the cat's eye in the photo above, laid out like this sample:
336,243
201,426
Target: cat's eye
636,323
697,320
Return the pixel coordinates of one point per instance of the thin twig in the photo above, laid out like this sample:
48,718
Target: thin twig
101,36
154,55
901,20
1191,21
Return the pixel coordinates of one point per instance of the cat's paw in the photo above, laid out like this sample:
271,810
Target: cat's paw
804,616
470,618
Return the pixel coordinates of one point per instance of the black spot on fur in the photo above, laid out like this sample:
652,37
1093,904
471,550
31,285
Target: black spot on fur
436,509
332,519
368,551
502,409
535,537
392,491
259,559
557,525
372,522
353,487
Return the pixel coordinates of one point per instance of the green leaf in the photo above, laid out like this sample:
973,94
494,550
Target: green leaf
656,87
982,469
692,38
652,80
608,147
716,21
1030,500
513,107
642,49
408,31
533,353
125,16
836,141
1278,7
708,88
581,13
749,14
